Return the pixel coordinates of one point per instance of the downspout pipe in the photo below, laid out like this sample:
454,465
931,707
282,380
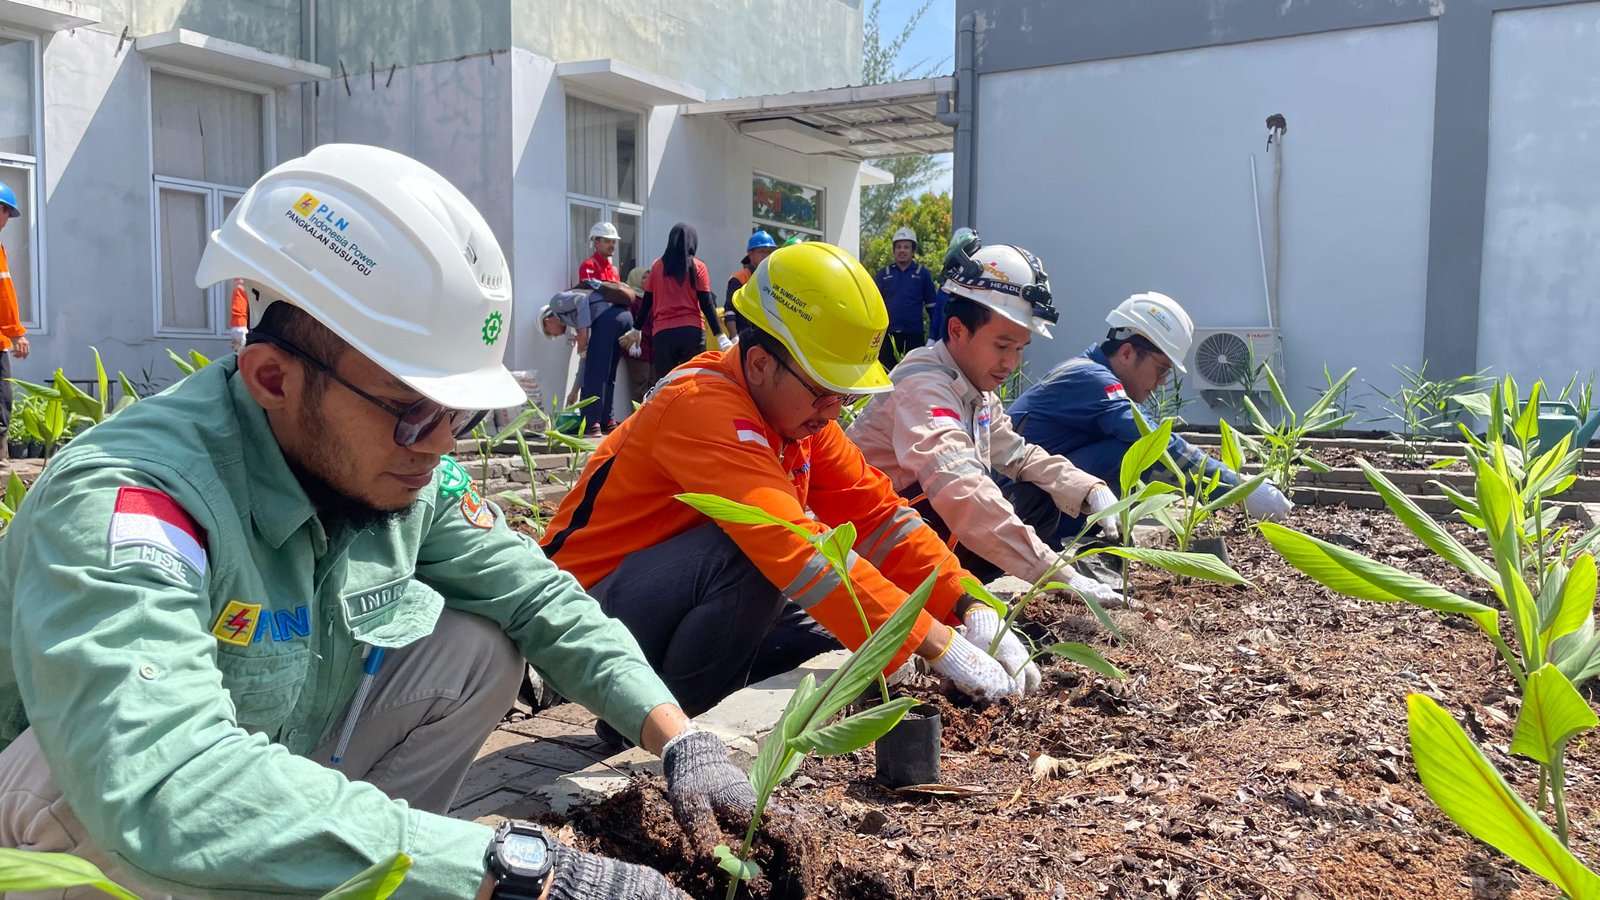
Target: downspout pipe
963,118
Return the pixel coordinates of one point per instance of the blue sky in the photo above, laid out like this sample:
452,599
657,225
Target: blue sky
932,43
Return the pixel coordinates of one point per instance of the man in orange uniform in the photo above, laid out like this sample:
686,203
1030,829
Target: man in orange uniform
238,315
715,605
13,337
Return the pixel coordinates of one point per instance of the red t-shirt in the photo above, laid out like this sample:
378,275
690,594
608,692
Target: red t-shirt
674,303
599,268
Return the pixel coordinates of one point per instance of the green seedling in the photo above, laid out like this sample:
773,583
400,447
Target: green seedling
805,725
1427,409
1553,647
1280,446
31,870
1195,518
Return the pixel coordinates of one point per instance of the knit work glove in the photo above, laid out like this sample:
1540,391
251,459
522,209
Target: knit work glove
704,786
723,343
1105,596
982,624
974,672
1268,503
583,876
1100,498
236,336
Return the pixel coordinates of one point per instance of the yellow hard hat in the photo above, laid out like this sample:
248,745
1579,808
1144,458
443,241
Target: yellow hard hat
820,303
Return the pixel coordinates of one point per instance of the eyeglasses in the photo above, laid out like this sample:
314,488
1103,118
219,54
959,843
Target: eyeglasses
414,422
820,399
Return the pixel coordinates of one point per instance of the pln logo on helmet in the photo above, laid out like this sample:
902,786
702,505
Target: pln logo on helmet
1160,315
307,204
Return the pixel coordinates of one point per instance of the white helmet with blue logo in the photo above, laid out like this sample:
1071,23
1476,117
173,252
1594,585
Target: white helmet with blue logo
1160,320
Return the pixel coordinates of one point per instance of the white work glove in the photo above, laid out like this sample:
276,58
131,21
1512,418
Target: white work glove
973,672
1103,594
723,343
1268,503
635,351
982,623
1100,498
236,335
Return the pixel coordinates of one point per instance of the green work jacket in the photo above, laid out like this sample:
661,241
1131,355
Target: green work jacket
179,629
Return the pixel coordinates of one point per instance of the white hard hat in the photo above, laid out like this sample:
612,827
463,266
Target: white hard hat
1160,320
1009,280
904,234
605,230
390,257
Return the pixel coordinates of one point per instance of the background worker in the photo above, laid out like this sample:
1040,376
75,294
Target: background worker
942,431
254,630
715,605
13,336
1084,408
908,293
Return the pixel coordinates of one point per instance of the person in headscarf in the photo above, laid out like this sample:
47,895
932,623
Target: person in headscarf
678,303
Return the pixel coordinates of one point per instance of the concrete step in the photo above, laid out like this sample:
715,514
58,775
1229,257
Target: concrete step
1433,449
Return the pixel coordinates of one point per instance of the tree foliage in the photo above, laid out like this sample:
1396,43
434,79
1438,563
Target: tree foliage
879,65
927,215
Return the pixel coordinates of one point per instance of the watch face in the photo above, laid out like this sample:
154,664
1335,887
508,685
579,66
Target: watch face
524,854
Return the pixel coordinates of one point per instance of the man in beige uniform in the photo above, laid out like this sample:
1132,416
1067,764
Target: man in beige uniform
942,430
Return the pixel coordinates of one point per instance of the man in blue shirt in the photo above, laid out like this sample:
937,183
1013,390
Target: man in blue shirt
1083,409
907,290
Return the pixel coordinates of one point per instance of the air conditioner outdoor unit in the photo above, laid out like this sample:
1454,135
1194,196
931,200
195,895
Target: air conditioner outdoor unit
1228,359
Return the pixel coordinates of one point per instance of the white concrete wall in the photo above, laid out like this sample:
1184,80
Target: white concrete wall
1134,174
697,171
1541,243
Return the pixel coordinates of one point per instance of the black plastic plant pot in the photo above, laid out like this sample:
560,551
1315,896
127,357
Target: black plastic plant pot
1215,546
909,753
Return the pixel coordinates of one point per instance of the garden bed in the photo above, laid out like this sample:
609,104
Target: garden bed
1257,749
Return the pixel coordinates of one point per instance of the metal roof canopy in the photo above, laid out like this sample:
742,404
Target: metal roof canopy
867,122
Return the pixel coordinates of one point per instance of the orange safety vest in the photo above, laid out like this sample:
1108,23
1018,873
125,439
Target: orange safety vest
700,432
239,307
10,316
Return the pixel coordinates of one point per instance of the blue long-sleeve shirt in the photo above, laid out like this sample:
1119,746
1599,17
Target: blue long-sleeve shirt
1080,411
906,292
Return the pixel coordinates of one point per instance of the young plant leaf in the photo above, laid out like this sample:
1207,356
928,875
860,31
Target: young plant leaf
853,732
15,491
723,510
1430,532
1144,453
1577,600
1552,712
1235,494
1520,606
1086,656
1094,607
1195,565
975,588
1578,654
1354,575
101,382
376,883
738,869
837,545
766,771
29,870
1473,794
865,664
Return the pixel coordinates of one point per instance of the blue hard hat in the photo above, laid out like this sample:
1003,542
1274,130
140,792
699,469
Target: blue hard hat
759,240
9,198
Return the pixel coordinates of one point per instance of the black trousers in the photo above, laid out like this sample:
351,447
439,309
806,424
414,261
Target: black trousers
5,400
706,618
676,346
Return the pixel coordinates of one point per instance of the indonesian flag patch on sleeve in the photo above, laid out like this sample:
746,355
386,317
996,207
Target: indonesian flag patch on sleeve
746,430
149,528
1114,391
942,417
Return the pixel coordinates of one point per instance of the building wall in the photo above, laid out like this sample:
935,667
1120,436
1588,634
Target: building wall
772,46
1541,265
697,171
1138,178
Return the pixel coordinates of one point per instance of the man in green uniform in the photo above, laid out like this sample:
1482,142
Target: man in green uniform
254,630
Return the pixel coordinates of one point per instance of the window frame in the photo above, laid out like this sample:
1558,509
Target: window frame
38,256
218,294
819,233
608,208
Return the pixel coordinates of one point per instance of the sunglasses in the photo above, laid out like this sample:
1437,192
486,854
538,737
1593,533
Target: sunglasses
413,422
820,399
